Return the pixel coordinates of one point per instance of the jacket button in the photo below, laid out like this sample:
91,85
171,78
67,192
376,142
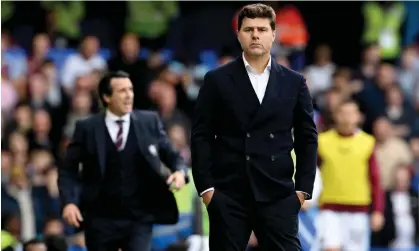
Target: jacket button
273,158
271,136
247,157
248,135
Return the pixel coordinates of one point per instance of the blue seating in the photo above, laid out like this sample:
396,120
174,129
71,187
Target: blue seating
209,58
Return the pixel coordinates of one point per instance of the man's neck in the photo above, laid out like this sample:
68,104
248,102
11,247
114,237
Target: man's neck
346,132
117,114
258,63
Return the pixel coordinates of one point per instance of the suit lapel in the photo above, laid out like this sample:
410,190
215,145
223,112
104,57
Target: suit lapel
244,86
142,139
100,135
273,87
272,93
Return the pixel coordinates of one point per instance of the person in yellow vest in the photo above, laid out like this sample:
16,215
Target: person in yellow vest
350,184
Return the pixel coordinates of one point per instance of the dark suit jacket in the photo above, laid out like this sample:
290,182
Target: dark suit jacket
88,148
233,134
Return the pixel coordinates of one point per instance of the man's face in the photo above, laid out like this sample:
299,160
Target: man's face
41,44
41,122
386,76
82,101
256,36
372,54
90,46
348,116
37,86
130,45
121,100
382,129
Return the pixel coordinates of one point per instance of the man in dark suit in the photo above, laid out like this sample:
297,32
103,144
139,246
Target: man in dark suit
120,189
242,142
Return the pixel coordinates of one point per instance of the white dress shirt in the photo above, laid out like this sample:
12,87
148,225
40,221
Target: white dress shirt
113,127
259,80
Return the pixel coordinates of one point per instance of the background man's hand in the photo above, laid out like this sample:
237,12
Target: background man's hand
72,215
377,221
301,197
207,197
176,180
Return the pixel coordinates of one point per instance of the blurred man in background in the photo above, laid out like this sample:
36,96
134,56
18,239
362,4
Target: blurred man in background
351,183
120,163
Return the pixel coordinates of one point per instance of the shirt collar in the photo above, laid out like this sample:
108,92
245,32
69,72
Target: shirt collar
248,67
112,116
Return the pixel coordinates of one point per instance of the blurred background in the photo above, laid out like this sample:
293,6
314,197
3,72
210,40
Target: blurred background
53,53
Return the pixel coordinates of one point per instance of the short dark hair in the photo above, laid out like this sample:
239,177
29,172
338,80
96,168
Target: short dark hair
257,10
105,88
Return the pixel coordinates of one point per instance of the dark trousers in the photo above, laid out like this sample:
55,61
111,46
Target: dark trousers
110,235
232,218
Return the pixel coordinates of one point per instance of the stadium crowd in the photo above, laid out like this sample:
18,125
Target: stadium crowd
45,91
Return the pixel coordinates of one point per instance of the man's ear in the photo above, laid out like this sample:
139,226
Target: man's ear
106,98
237,35
274,35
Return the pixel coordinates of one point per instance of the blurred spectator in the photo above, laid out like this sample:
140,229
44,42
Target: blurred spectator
15,63
63,21
409,74
401,229
55,95
369,64
372,98
391,151
38,92
178,136
164,95
82,63
386,29
80,109
39,137
320,73
21,120
40,48
351,183
11,223
9,96
127,60
327,103
400,112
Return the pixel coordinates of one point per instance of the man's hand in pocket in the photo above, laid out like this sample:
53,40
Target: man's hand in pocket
207,197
